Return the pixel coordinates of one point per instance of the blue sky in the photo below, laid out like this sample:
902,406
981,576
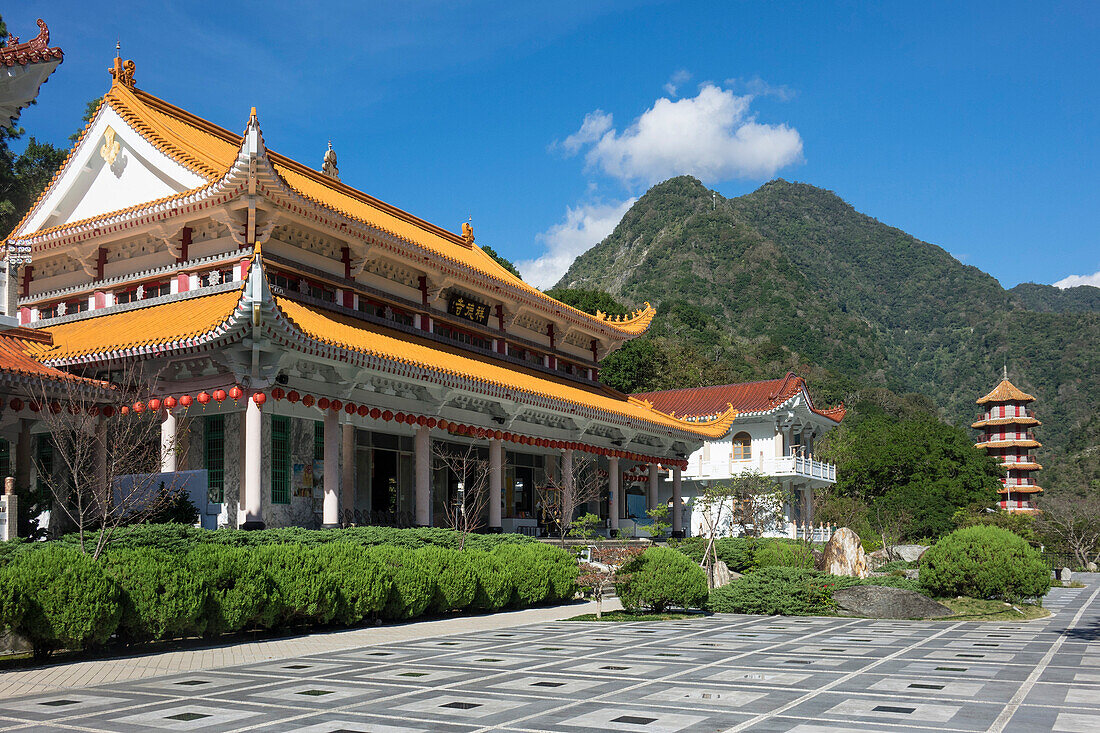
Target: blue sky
970,125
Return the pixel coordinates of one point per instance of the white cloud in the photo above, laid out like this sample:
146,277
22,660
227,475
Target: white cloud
592,129
673,84
1074,280
757,87
583,227
711,136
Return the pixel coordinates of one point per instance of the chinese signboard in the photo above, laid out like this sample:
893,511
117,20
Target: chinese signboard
471,310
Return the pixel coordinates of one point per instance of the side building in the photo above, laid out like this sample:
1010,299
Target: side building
774,433
306,345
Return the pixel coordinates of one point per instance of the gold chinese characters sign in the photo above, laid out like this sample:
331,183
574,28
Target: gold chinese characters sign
468,309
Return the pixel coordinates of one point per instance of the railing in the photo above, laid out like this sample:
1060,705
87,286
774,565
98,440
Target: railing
776,466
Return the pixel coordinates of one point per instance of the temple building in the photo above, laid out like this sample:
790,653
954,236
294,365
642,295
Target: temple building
306,345
1006,436
774,434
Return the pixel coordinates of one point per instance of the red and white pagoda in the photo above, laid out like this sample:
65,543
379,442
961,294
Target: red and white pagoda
1006,435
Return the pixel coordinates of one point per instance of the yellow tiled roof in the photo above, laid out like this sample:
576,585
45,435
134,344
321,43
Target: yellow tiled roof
1009,444
155,325
1006,391
210,151
1022,466
353,334
1030,421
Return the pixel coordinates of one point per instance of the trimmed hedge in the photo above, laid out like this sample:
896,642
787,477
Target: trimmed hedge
161,597
494,582
241,591
661,578
455,582
984,562
791,592
743,554
362,580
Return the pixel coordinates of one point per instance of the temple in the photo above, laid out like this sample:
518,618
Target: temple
1006,436
308,344
775,433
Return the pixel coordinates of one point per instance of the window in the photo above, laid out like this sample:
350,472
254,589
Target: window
742,447
50,312
126,296
5,458
280,459
155,290
464,337
213,456
281,280
318,440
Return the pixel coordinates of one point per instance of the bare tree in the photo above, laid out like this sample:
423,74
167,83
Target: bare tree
104,458
578,483
467,513
715,504
757,502
601,574
1073,523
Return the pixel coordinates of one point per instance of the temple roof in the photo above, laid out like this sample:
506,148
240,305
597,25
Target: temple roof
211,151
994,421
1006,391
20,352
745,397
27,65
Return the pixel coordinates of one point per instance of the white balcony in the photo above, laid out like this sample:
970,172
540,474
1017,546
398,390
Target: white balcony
779,467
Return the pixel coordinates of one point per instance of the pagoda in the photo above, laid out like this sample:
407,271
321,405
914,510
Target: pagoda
1006,435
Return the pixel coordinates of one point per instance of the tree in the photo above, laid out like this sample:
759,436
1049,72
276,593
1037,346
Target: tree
1072,525
502,261
467,512
101,471
579,482
89,112
757,502
602,573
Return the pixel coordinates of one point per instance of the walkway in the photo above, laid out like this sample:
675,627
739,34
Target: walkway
723,673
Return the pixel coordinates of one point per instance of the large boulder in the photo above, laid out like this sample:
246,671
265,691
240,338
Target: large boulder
879,601
908,553
844,555
722,575
1091,567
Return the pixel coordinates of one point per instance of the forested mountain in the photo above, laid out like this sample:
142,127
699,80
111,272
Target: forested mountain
792,277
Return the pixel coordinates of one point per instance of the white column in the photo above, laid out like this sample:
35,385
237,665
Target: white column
330,513
251,465
168,443
422,445
613,478
347,475
677,504
651,497
495,467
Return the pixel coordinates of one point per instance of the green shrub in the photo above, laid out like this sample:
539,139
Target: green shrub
412,584
660,578
363,581
984,562
241,591
161,597
776,590
68,601
455,582
736,552
304,591
13,602
494,582
530,578
561,568
777,554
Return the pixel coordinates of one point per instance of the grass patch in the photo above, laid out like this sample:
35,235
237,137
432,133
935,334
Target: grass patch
632,616
973,609
1071,584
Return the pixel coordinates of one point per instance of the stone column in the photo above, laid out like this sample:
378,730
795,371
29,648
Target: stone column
613,478
330,513
496,451
651,496
348,498
168,443
677,505
422,445
252,466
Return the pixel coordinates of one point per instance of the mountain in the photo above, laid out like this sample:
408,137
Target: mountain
791,276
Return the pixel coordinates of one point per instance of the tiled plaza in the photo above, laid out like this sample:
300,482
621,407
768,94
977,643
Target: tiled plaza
723,673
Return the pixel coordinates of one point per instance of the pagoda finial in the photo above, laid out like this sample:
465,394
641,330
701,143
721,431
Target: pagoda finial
122,71
1005,372
328,167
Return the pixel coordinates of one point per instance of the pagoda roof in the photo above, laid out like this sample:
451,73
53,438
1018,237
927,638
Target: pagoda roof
1022,466
28,66
1009,444
211,152
21,351
995,421
1020,490
746,397
1006,391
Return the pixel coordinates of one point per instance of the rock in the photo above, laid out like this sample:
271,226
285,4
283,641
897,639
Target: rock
721,574
1091,567
911,573
13,643
1067,576
879,601
908,553
844,555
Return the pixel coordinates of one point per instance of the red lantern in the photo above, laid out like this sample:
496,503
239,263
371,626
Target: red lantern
185,401
203,398
442,424
93,410
170,402
74,409
308,400
124,410
363,411
278,393
432,422
293,396
154,405
236,392
349,408
399,417
219,394
34,405
497,435
421,420
259,398
387,415
524,440
375,413
16,404
323,403
336,405
139,408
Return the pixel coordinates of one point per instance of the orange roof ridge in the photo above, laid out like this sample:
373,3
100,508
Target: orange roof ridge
637,320
1006,391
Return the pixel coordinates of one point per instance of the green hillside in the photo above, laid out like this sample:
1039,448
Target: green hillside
792,277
